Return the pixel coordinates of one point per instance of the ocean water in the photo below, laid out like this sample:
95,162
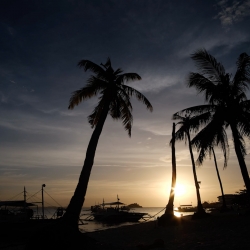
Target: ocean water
153,213
92,226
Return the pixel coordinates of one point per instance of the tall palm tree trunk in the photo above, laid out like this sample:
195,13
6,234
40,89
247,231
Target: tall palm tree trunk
199,205
241,159
224,206
170,205
74,208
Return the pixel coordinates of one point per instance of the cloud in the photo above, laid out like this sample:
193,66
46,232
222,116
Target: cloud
225,40
33,125
70,113
155,83
234,12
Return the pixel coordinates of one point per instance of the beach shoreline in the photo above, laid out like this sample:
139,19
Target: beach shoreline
218,231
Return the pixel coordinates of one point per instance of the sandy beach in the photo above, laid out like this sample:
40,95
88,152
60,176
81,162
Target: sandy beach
218,231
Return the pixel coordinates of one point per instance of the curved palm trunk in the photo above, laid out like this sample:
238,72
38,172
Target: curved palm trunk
224,206
199,205
74,208
170,205
241,159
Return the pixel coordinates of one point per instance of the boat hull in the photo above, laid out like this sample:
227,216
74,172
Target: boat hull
120,216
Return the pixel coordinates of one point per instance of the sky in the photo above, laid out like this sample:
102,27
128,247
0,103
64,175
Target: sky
42,142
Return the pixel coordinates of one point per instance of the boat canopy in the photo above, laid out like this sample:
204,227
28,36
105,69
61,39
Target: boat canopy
16,204
114,203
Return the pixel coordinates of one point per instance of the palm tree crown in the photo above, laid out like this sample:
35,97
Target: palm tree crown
110,85
227,104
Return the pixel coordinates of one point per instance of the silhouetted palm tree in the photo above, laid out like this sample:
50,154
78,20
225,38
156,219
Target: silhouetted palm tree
114,100
205,146
200,161
227,103
190,124
170,206
224,205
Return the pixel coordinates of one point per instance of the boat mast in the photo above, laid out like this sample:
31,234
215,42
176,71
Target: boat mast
24,198
43,200
24,194
118,201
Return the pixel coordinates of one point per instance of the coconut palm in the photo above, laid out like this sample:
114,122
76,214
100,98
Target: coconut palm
211,152
168,216
189,124
170,206
227,103
224,205
205,147
114,99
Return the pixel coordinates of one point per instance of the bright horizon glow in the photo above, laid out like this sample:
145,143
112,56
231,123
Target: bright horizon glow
179,190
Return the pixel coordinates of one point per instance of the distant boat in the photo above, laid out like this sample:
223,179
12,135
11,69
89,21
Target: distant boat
114,213
187,208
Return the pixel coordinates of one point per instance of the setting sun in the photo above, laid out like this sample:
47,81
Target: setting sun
180,190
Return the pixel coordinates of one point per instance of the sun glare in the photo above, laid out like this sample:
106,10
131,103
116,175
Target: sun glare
180,190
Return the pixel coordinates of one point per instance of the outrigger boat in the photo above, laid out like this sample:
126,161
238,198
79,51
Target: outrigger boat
21,211
115,213
187,208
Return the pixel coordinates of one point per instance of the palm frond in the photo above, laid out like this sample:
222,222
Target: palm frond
127,77
196,110
140,97
118,71
243,118
180,134
199,121
115,109
97,82
208,65
88,65
202,84
120,108
222,141
124,96
107,63
242,75
210,136
86,92
94,117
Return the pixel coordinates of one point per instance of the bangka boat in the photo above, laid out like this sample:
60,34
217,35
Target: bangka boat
115,213
15,210
20,210
186,208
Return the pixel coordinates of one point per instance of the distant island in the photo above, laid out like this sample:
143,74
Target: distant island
134,205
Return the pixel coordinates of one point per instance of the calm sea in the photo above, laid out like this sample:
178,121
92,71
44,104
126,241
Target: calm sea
91,226
153,213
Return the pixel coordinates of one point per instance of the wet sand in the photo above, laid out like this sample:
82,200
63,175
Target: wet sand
218,231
